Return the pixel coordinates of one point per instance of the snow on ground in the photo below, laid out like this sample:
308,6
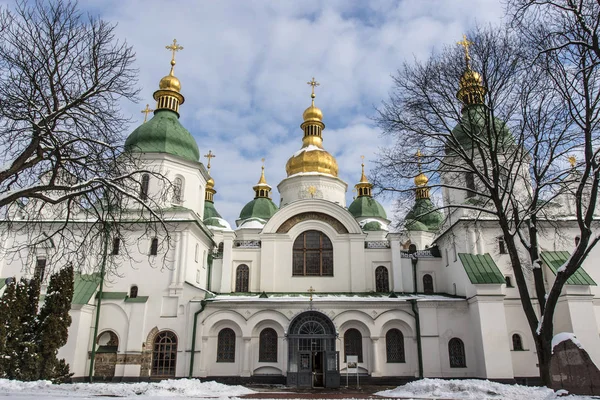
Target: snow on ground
167,389
474,389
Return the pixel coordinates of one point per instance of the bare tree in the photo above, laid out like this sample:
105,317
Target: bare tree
63,77
496,130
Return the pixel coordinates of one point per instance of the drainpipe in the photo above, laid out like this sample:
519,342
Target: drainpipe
193,351
414,260
99,295
413,303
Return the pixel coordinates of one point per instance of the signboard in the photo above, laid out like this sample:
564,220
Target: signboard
352,368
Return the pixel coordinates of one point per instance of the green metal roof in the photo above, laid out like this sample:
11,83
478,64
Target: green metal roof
473,124
113,295
366,206
424,217
2,282
84,288
481,268
163,134
139,299
555,259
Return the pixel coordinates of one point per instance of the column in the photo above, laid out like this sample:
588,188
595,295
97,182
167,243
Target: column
246,357
375,368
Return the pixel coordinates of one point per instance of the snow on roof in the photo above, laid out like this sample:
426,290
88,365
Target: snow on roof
365,221
564,336
252,224
310,173
310,147
301,297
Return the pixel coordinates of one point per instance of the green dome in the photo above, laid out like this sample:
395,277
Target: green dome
473,124
373,226
422,217
163,134
260,207
365,206
210,211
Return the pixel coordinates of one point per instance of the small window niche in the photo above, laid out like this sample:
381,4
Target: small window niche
133,292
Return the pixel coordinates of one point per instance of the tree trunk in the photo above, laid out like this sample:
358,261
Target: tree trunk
543,346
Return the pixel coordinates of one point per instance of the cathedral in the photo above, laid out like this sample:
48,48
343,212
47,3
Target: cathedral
306,288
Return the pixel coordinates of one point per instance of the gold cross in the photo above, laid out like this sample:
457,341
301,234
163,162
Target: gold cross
312,190
419,155
146,111
311,291
313,83
209,156
466,43
174,47
572,161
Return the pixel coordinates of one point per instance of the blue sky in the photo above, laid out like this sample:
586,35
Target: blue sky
245,65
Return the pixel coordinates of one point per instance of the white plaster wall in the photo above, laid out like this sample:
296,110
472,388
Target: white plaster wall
327,187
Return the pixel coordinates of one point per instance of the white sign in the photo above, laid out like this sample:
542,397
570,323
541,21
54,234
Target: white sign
352,364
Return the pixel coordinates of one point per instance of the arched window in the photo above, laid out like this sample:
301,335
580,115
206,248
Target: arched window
133,292
517,342
394,346
353,344
508,281
313,255
116,246
267,346
427,284
382,280
154,247
501,245
226,346
242,275
145,184
178,190
164,354
456,352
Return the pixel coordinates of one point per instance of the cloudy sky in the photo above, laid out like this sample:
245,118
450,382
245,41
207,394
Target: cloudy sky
245,65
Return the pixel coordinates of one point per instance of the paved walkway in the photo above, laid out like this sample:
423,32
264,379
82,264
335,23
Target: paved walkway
282,392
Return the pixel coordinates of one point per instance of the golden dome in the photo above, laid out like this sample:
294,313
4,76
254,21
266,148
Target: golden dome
470,78
310,159
170,82
421,180
210,183
312,113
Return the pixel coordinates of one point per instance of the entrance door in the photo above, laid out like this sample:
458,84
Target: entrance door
332,369
305,369
318,369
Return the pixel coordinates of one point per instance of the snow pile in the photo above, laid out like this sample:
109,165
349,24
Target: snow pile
564,336
472,389
171,388
310,147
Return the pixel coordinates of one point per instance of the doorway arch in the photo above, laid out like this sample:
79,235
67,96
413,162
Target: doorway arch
312,358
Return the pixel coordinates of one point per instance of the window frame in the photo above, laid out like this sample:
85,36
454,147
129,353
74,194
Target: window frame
144,186
324,251
518,342
116,246
226,355
162,347
456,353
426,286
400,356
154,247
39,273
267,345
353,346
241,281
382,279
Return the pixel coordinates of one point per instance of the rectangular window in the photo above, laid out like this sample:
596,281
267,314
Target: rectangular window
197,276
454,250
470,181
501,245
154,247
447,258
40,269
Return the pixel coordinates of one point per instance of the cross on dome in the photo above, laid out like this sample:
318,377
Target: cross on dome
174,48
208,157
465,43
146,111
313,83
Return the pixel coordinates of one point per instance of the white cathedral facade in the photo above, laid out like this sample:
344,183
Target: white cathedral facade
294,289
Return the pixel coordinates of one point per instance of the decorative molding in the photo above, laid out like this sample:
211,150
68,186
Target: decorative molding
420,254
377,244
247,244
307,216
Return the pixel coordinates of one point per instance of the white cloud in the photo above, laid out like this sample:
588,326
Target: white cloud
245,65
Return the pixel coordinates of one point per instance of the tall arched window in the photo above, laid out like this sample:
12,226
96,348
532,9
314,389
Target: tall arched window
427,284
382,280
133,291
154,247
164,354
144,185
242,275
353,344
517,342
178,190
394,346
456,352
313,255
267,346
226,346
